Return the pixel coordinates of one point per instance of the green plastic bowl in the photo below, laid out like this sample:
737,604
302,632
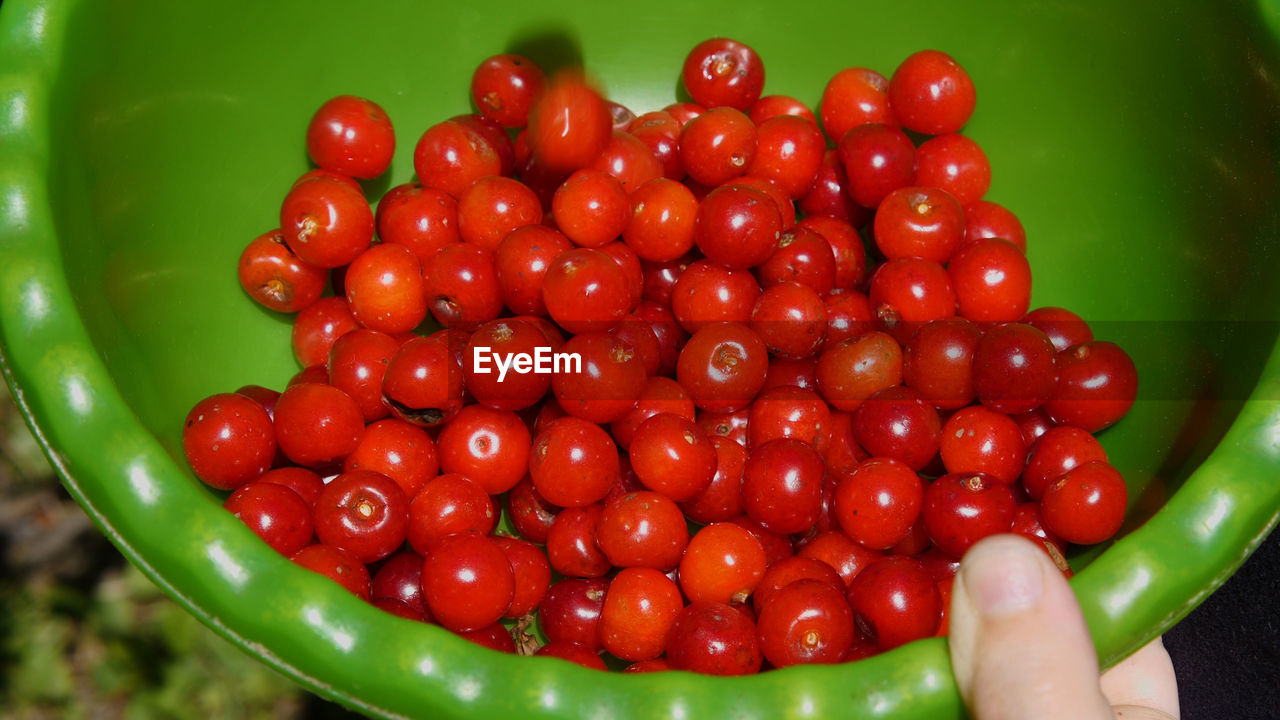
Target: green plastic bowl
144,143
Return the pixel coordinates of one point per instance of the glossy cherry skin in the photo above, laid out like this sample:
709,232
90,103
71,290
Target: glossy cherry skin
878,159
569,124
707,292
306,483
399,577
722,499
791,319
1097,384
660,132
806,622
895,600
490,446
789,411
782,485
642,529
829,196
522,259
352,136
401,451
586,290
420,218
850,372
606,385
720,72
789,570
661,221
450,156
1029,523
229,440
804,256
771,106
274,513
992,280
326,222
855,96
357,362
1086,505
737,226
938,362
336,564
1055,453
316,328
449,504
956,164
591,208
531,515
849,316
898,422
571,611
714,639
980,440
629,160
571,543
275,277
317,424
723,367
509,344
961,509
532,572
503,87
919,222
423,382
1014,368
493,206
723,563
671,455
985,219
931,93
467,582
1064,328
573,462
842,453
494,637
908,293
462,286
789,151
639,609
363,512
877,504
385,289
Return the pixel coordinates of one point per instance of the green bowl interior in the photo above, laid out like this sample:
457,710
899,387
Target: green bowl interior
1136,141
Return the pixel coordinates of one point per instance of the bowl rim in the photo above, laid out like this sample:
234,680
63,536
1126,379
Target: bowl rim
1132,592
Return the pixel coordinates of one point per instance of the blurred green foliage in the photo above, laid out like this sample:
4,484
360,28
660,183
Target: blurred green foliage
83,634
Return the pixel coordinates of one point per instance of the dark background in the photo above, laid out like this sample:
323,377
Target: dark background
83,634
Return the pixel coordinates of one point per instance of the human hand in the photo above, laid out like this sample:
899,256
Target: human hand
1020,648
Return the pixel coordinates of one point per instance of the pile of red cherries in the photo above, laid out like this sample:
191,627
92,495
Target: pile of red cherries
745,399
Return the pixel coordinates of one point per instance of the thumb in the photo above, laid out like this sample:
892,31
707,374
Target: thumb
1019,645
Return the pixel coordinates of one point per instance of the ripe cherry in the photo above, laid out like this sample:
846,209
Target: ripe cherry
569,124
808,621
351,136
782,485
895,600
274,513
573,462
397,449
639,609
317,424
723,73
714,639
961,509
275,277
503,88
467,582
877,504
1086,505
1097,384
229,440
930,93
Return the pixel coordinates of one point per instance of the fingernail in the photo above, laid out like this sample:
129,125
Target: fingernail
1004,580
